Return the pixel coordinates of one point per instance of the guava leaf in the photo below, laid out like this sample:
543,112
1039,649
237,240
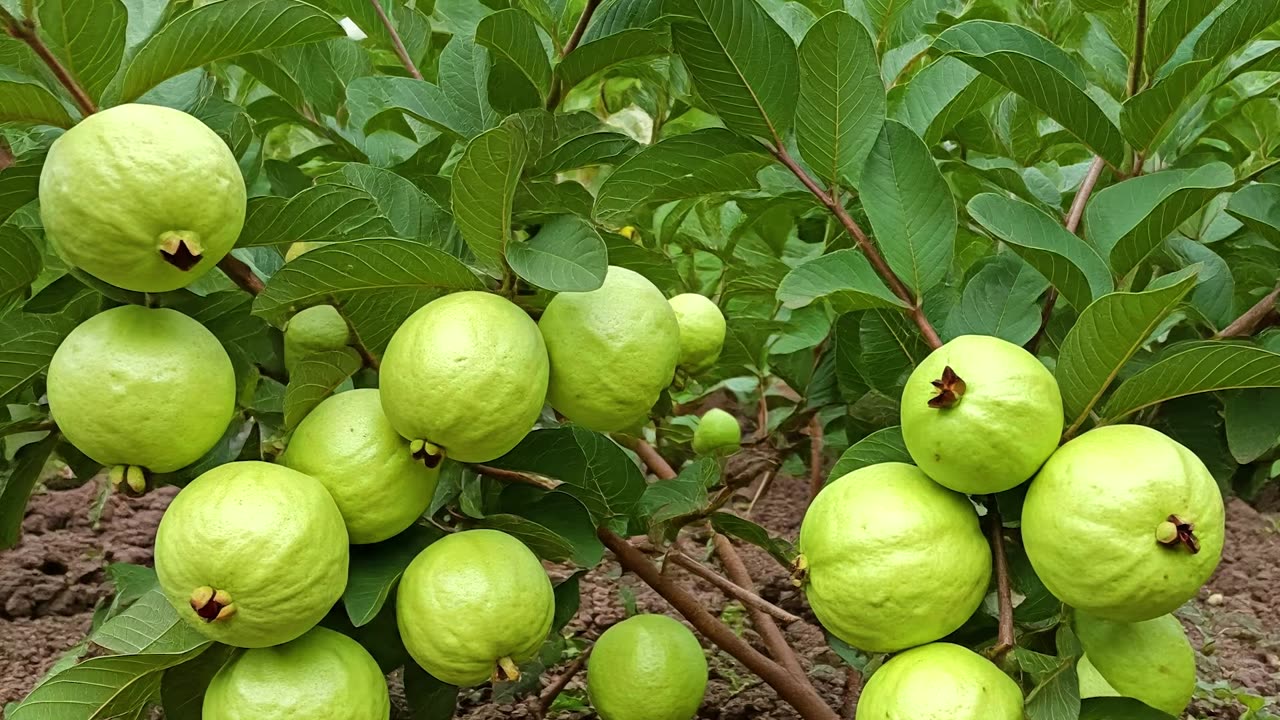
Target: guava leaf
183,686
414,214
1205,368
20,265
17,479
600,54
1147,118
559,512
484,187
881,446
87,36
27,344
150,625
1252,423
19,183
733,526
376,569
1258,207
428,698
890,347
844,278
1056,695
567,255
316,377
1119,708
1169,24
940,95
24,99
322,213
591,149
544,542
999,300
568,599
514,46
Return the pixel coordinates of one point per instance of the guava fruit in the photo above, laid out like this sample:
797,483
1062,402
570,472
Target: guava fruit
718,433
322,675
474,605
1123,523
613,350
648,667
252,554
144,197
348,444
702,330
892,559
142,389
315,329
1151,660
940,682
980,415
466,375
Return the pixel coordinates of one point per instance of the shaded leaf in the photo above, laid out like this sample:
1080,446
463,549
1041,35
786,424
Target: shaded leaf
592,57
27,344
19,184
16,482
20,265
940,95
1204,368
376,569
314,378
1258,206
597,148
24,99
733,526
1119,708
322,213
428,698
413,214
544,542
183,686
1148,117
881,446
512,39
567,255
1252,424
999,300
484,187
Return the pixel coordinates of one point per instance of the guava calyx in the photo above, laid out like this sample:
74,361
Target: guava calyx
212,605
800,571
181,249
951,387
506,670
427,453
1176,532
129,480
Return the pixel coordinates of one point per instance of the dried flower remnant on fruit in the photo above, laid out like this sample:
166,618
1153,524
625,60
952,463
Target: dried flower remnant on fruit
799,571
506,670
1175,531
950,387
427,453
211,605
180,251
130,480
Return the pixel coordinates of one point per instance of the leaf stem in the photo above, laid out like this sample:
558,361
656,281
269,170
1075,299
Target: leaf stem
1263,314
815,456
241,274
396,42
524,478
1005,639
25,30
1139,49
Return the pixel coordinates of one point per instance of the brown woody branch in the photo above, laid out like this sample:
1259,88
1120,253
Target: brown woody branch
1261,315
241,274
557,87
744,595
773,639
815,456
548,696
1005,639
25,30
524,478
797,693
648,455
852,688
396,42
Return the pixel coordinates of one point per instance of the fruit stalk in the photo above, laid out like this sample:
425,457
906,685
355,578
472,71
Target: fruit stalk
773,639
798,694
1005,639
538,481
396,43
241,274
25,30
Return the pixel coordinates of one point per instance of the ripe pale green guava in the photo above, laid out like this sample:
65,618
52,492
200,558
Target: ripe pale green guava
466,375
892,559
648,667
252,554
348,444
702,330
940,682
980,415
144,388
313,330
613,350
144,197
1123,523
718,433
323,675
474,605
1151,660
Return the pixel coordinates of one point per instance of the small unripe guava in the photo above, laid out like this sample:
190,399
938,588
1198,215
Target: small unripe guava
702,330
649,667
718,433
315,329
940,682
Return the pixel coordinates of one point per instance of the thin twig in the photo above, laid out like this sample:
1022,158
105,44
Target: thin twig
773,639
1255,318
765,484
1005,639
852,688
649,456
762,412
524,478
241,274
25,30
744,595
557,686
815,456
557,87
1139,49
396,43
800,695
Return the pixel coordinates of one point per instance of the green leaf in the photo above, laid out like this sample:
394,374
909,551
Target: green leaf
377,284
568,599
428,698
999,300
27,344
1234,23
413,214
222,30
881,446
150,625
1119,708
733,526
559,512
896,22
114,686
87,36
1070,264
1056,695
1044,74
484,187
409,20
16,482
597,148
1107,334
459,105
1203,368
939,96
685,166
23,99
891,347
19,184
1258,206
1214,295
842,103
512,39
544,542
844,278
183,686
376,569
1128,220
592,57
743,64
1169,24
567,255
20,265
1253,425
1147,118
910,206
315,378
682,495
322,213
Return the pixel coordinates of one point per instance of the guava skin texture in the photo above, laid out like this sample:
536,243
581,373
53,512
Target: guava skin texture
323,675
940,682
1150,660
1091,517
269,538
145,387
122,188
314,330
893,560
613,351
702,330
470,600
648,667
348,444
718,433
1001,425
467,373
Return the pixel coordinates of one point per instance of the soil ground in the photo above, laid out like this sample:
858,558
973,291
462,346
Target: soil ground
50,583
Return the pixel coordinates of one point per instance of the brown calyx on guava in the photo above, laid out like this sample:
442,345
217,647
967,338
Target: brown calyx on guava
950,388
181,250
1176,532
212,605
427,453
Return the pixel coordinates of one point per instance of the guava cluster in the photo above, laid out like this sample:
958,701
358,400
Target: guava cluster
255,554
1121,523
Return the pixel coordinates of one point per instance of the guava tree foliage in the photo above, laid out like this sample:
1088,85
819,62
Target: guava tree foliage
854,183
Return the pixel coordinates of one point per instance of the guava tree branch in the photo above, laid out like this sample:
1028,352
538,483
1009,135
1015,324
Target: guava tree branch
25,30
557,87
773,639
241,274
524,478
852,687
648,455
548,696
729,587
832,203
797,693
815,456
1261,315
1005,639
396,43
